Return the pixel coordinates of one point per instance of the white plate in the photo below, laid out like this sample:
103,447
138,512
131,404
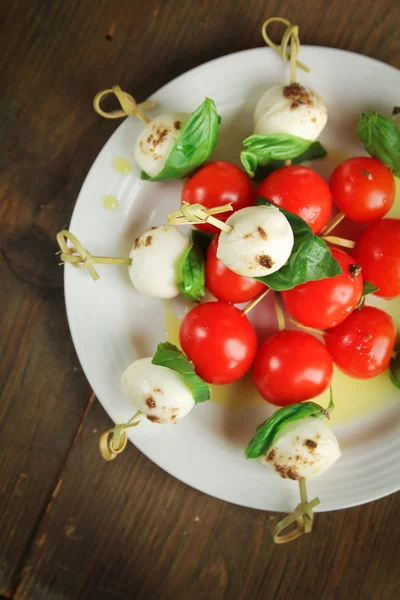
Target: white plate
112,324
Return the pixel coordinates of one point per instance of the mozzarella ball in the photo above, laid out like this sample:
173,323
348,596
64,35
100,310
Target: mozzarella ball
155,143
158,392
303,449
156,255
291,109
259,243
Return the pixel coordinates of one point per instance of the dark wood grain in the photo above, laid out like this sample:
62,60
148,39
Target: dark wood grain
128,530
73,526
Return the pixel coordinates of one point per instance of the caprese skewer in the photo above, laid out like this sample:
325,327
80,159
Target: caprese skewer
288,118
163,388
171,145
296,445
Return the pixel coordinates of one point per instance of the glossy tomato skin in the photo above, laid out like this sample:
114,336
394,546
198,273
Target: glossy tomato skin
362,345
226,285
378,252
292,366
326,303
220,341
363,189
216,184
299,190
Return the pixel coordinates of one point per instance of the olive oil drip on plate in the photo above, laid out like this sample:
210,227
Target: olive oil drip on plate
355,399
110,202
122,165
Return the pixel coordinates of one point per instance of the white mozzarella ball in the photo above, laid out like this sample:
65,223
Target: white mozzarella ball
291,109
303,449
156,141
259,243
158,392
156,255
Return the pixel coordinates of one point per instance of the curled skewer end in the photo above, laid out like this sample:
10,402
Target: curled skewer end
129,106
78,256
290,39
302,515
106,445
113,441
190,214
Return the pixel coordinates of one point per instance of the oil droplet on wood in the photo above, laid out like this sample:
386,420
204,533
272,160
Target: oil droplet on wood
110,202
122,165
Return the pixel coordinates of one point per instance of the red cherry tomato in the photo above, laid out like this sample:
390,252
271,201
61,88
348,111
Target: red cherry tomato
363,188
218,183
362,345
328,302
292,366
299,190
226,285
378,252
220,341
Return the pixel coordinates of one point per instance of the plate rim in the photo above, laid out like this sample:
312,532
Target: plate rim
68,288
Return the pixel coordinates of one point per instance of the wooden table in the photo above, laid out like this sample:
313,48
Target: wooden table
73,526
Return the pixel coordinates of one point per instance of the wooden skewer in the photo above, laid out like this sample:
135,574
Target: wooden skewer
254,302
338,241
334,223
127,102
191,214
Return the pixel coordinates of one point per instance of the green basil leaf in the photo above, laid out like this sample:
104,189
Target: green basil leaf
192,266
170,356
314,152
192,274
194,145
267,431
394,367
145,177
327,411
311,259
368,288
202,240
261,149
381,138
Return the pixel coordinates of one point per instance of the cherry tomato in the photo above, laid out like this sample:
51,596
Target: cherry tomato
363,188
220,341
362,345
378,252
226,285
299,190
218,183
292,366
328,302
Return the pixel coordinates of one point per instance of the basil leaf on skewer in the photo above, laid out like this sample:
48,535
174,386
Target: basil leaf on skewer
381,138
173,148
310,260
170,356
271,150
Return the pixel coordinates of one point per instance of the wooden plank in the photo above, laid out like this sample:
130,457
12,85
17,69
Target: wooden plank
44,393
43,389
128,530
132,518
